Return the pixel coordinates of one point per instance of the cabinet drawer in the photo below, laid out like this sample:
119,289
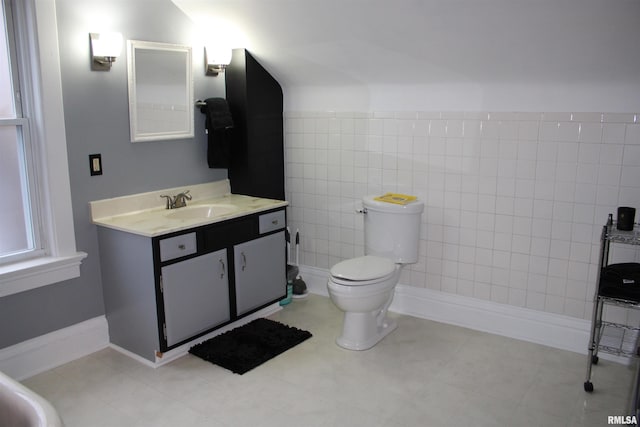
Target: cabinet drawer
271,221
178,246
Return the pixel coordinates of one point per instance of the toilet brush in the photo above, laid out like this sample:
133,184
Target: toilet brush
299,287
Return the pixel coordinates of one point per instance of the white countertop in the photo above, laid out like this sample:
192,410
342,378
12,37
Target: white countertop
146,215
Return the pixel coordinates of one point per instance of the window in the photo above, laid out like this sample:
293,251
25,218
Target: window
19,214
36,208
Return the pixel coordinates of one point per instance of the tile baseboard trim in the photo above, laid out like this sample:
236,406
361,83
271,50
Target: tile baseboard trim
552,330
562,332
34,356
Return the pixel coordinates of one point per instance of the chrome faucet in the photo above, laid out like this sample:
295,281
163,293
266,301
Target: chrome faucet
177,201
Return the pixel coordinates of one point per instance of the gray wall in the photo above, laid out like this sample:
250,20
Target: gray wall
97,121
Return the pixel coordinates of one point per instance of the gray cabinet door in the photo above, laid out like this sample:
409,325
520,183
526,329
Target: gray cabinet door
196,295
260,270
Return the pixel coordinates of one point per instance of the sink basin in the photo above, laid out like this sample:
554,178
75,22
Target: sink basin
202,211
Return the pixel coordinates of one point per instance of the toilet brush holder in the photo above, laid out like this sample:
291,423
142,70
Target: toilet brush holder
299,288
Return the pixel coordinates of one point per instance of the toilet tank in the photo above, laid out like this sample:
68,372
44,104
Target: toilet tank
392,230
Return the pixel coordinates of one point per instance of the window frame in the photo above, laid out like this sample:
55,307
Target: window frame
32,207
20,70
41,91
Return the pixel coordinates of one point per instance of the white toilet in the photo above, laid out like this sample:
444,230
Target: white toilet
363,287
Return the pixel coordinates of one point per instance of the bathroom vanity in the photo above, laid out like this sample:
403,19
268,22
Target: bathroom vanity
171,276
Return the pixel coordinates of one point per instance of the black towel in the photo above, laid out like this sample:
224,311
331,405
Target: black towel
219,125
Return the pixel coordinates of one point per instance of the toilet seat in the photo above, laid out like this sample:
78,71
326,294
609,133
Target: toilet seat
363,270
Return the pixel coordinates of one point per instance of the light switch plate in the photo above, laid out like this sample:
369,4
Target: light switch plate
95,164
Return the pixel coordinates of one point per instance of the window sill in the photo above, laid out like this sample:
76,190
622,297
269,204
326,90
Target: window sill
34,273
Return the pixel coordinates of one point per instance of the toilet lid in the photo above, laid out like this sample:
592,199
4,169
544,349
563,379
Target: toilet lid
363,268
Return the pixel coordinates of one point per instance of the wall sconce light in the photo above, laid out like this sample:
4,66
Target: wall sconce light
105,48
216,60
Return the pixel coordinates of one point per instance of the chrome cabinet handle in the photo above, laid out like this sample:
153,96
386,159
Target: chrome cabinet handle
182,247
244,260
222,267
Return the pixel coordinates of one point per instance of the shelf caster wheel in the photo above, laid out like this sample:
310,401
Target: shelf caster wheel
594,360
588,386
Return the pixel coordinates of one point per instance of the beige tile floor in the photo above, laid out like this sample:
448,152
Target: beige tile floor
423,374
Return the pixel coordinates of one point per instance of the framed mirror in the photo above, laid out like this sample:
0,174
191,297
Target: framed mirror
160,91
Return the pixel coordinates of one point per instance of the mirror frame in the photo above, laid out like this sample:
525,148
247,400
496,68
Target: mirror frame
134,47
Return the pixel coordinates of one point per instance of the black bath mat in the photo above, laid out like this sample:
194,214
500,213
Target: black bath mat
242,349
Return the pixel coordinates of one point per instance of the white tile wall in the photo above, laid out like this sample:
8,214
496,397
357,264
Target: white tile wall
514,201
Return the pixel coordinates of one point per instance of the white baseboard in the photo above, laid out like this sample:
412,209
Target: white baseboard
31,357
315,279
563,332
549,329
